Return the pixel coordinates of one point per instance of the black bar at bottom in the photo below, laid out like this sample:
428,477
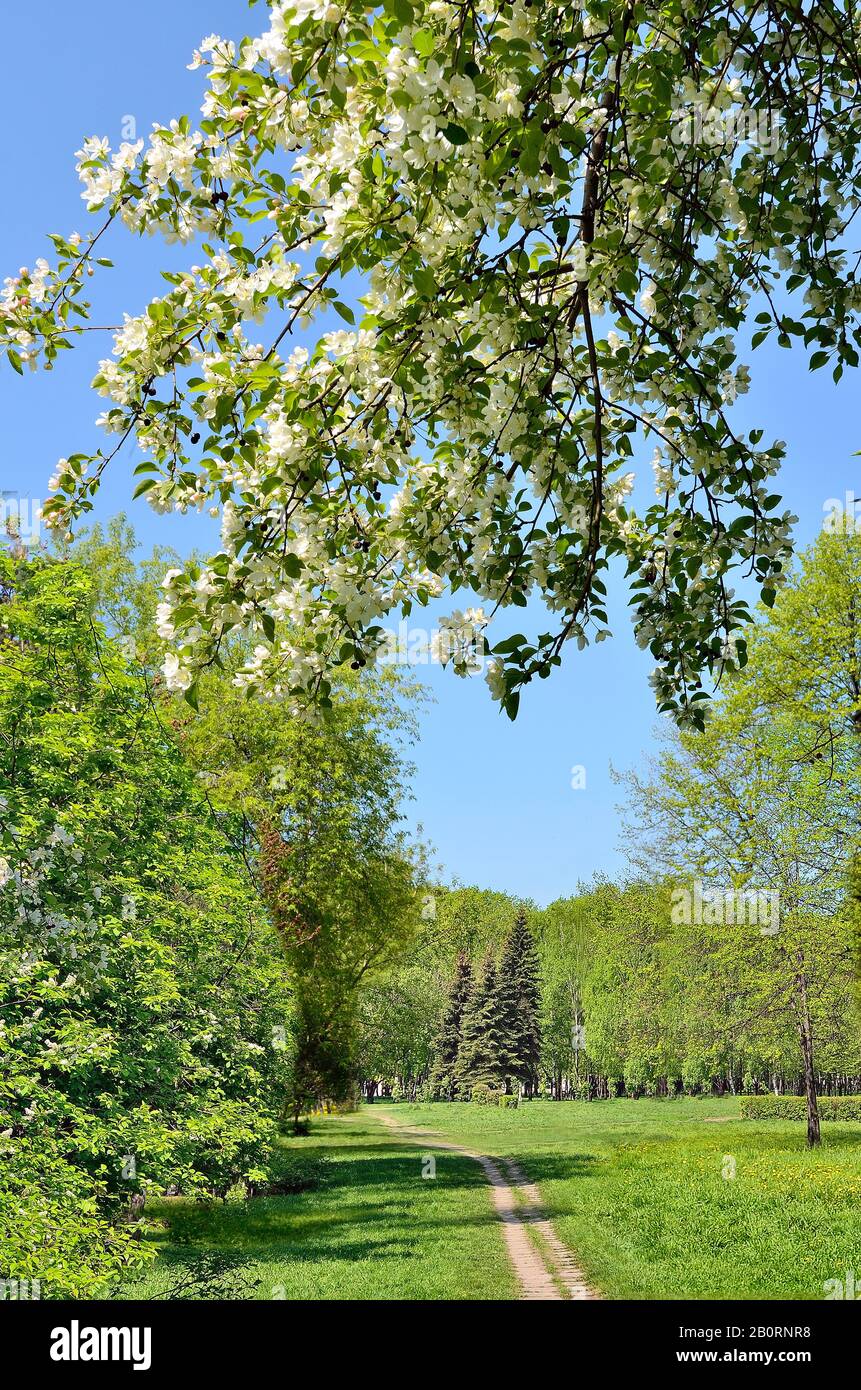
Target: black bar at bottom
87,1340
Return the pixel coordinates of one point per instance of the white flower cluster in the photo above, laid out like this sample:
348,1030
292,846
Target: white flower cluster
459,639
506,206
51,909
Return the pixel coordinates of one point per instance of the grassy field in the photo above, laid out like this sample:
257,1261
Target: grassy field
374,1229
657,1199
637,1190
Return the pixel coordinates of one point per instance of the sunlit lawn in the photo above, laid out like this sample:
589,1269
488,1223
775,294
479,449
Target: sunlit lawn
644,1193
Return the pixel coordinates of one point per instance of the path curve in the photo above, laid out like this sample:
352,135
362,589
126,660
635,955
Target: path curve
545,1268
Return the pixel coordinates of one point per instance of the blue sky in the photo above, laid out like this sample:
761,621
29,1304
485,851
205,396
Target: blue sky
494,798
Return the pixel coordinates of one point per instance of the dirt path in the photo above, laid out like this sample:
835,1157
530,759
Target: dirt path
544,1267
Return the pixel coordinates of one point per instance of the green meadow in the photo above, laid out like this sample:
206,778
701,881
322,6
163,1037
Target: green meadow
656,1199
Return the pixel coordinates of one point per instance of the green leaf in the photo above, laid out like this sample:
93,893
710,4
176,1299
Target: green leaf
425,280
424,42
510,644
455,134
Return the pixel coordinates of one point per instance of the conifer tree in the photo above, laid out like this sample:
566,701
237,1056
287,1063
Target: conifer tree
442,1077
482,1050
519,1006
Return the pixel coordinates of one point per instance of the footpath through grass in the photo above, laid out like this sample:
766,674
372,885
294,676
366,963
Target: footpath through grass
374,1229
681,1198
656,1199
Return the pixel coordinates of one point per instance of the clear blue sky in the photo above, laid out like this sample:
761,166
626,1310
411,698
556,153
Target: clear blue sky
495,798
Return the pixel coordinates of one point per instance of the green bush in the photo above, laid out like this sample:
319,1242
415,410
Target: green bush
140,984
485,1094
54,1227
795,1108
294,1172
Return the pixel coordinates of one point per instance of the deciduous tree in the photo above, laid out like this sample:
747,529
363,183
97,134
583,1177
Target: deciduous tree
555,222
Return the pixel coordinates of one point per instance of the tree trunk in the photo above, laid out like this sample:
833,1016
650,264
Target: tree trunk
805,1031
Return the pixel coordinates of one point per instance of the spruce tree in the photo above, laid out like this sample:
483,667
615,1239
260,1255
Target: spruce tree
442,1077
519,1007
482,1051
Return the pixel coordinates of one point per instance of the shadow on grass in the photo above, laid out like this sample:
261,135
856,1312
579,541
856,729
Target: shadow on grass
552,1167
371,1206
394,1162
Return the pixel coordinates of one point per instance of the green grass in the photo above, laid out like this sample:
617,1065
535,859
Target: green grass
635,1188
375,1229
637,1191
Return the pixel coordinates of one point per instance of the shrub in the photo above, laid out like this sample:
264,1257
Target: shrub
485,1094
53,1227
795,1108
140,984
295,1172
